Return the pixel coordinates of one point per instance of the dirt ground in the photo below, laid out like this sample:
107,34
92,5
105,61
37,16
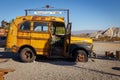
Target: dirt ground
57,69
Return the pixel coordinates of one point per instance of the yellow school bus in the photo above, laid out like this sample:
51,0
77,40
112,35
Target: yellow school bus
49,36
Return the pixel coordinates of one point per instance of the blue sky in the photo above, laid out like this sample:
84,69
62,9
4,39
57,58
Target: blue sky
84,14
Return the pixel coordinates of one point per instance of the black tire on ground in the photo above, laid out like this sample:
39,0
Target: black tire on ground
81,56
27,55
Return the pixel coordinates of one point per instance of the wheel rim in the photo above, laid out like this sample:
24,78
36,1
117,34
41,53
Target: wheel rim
81,57
28,55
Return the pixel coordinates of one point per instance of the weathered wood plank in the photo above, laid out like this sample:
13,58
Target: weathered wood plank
118,55
4,71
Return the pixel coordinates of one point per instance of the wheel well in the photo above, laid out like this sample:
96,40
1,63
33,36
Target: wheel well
73,52
27,47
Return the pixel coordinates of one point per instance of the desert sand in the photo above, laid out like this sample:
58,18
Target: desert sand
99,68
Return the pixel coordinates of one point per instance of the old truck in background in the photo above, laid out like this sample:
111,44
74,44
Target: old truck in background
50,36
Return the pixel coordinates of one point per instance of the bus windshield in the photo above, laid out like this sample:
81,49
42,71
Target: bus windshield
58,28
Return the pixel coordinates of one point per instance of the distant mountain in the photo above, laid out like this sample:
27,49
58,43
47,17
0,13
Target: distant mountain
110,32
83,31
96,34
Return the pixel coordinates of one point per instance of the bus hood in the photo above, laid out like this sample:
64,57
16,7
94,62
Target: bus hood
81,40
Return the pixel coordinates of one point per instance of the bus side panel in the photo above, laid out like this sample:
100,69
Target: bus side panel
40,41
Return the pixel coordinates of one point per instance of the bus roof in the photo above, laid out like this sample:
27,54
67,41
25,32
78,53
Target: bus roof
42,18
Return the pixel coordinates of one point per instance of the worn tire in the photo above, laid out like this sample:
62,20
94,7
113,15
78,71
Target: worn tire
80,56
27,55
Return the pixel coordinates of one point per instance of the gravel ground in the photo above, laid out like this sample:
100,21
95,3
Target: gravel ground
58,69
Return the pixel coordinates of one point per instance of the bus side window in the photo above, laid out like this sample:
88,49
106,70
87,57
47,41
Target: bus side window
25,26
39,26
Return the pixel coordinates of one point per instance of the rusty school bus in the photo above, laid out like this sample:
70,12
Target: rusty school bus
45,35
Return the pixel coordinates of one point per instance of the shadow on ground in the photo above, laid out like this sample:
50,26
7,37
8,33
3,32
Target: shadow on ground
98,71
8,55
5,56
102,57
116,68
56,61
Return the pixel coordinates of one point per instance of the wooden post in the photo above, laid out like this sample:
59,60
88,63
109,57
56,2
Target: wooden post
118,55
4,71
109,54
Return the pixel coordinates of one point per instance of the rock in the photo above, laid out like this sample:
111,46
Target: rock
96,34
110,32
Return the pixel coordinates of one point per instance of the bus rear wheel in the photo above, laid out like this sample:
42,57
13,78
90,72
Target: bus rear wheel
27,55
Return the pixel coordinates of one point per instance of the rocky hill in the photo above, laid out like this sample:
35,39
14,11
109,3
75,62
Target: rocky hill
110,32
